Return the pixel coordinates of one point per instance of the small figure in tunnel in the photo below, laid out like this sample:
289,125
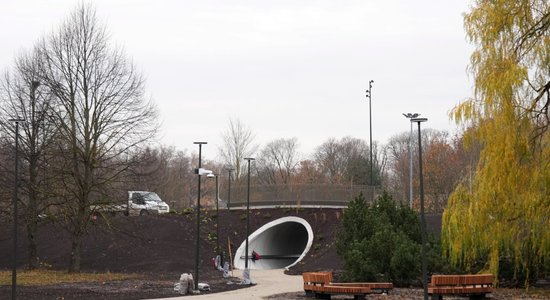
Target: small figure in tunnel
255,256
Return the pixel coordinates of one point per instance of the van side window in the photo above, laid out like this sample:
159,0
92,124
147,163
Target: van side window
137,198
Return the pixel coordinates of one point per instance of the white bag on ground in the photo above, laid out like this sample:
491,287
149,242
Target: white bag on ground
217,263
226,270
185,285
246,277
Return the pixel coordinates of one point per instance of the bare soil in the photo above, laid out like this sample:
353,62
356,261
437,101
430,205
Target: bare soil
160,248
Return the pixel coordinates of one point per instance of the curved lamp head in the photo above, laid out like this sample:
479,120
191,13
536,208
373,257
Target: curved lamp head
202,171
411,115
419,120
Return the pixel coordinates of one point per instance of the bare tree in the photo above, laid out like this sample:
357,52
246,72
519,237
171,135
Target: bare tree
5,177
308,173
164,171
278,161
22,98
355,153
238,143
397,179
331,161
346,160
100,112
446,162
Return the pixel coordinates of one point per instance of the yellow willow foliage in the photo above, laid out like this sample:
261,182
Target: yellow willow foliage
505,210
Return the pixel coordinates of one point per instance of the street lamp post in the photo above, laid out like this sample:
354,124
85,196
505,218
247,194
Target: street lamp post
197,239
422,217
247,217
369,95
229,170
34,86
217,216
411,116
15,196
216,175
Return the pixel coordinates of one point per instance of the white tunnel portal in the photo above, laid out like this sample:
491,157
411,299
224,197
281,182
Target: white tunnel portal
280,244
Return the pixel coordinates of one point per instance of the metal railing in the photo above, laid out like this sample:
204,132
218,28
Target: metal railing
301,194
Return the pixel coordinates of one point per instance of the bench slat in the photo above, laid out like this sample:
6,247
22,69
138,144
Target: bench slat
320,283
475,284
371,285
345,289
445,280
477,279
317,277
459,290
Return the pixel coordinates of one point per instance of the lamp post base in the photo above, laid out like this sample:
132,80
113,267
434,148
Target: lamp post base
246,277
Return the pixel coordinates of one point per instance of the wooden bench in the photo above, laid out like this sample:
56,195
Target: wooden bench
376,287
320,285
473,286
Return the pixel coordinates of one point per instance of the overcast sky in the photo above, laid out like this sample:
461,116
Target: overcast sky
285,68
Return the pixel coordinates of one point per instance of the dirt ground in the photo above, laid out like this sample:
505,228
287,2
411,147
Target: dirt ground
160,248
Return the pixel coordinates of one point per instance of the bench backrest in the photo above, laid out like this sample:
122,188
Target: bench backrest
485,279
317,277
476,279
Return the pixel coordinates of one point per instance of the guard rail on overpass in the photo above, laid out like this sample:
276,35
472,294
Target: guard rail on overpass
303,195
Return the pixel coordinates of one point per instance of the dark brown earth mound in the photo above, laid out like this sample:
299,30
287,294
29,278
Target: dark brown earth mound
160,248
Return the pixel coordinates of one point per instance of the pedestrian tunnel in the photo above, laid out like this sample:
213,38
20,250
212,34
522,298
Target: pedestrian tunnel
278,244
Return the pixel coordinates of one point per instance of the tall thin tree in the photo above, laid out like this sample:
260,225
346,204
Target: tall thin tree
22,98
238,143
101,114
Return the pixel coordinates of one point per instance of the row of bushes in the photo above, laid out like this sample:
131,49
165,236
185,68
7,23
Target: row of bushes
382,242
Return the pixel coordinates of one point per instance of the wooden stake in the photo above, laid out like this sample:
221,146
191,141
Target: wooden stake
230,256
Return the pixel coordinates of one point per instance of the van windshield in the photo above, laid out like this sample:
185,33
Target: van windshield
151,197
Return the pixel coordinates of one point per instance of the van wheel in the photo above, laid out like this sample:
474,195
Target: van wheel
143,213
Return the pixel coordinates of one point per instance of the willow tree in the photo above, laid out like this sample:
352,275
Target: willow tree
503,213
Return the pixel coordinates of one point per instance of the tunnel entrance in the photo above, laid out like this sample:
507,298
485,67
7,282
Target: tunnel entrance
278,244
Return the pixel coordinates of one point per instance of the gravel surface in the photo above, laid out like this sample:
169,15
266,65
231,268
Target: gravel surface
401,294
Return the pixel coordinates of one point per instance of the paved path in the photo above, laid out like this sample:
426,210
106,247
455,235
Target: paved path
269,282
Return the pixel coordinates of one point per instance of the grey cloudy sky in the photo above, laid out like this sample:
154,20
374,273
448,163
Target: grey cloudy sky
285,68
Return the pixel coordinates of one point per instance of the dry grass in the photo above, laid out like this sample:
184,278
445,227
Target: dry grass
47,277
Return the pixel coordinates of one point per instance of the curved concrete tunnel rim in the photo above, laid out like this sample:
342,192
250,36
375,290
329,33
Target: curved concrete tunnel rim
303,222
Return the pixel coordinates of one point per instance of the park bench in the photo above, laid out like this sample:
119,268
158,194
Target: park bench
473,286
320,285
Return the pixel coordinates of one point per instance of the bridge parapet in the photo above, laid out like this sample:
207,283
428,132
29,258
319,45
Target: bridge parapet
301,195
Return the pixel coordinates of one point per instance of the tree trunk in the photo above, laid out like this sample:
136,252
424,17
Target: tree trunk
32,253
32,214
76,247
